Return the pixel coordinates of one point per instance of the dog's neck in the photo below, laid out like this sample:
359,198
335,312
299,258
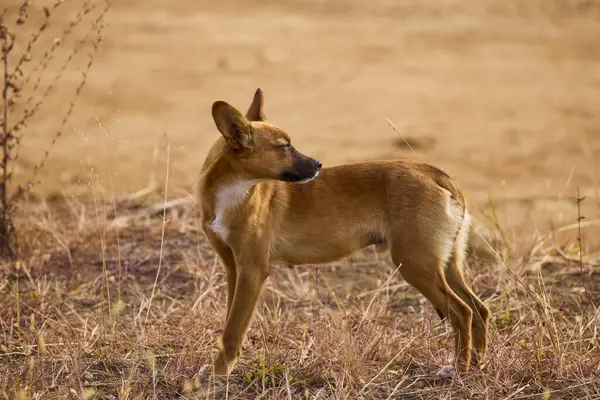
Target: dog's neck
227,196
232,193
222,190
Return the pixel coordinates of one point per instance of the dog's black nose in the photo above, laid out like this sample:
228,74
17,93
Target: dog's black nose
318,164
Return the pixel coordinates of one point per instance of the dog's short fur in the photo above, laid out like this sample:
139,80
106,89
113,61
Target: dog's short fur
264,202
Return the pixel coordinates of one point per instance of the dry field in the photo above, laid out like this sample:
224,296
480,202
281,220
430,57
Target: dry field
117,294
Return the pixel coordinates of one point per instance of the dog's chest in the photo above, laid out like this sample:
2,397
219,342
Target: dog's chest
227,198
219,227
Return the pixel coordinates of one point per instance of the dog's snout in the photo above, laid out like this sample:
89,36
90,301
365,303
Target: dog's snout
318,164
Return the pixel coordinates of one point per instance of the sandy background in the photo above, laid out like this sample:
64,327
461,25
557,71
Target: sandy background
502,95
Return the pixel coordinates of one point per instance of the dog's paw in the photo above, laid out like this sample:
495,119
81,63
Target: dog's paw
445,372
196,382
204,370
222,365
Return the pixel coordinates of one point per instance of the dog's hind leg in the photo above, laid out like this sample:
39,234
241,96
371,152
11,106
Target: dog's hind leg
426,274
481,313
422,253
456,280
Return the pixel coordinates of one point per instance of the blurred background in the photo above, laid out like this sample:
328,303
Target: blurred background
503,95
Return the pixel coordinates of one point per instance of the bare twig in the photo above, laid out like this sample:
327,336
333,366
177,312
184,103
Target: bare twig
15,81
580,218
6,225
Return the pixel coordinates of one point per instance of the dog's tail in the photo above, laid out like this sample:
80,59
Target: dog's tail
462,219
461,215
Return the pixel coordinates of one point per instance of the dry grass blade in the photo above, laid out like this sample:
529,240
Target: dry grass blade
162,234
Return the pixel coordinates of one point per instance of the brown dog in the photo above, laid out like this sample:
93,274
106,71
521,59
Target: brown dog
264,202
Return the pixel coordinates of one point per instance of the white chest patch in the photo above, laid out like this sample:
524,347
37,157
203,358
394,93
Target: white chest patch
229,196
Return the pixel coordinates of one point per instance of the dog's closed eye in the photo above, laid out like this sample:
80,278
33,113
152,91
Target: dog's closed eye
283,145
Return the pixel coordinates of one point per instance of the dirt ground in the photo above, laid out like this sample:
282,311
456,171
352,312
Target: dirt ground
502,95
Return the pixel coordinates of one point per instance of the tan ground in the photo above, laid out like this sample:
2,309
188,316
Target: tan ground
503,95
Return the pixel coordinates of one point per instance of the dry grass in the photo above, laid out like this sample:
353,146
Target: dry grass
73,318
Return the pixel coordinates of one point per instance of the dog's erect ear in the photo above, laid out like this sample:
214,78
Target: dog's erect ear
234,127
255,112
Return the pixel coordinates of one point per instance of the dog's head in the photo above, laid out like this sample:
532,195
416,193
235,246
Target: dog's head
259,149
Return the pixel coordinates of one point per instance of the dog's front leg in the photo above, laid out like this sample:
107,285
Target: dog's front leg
226,255
251,275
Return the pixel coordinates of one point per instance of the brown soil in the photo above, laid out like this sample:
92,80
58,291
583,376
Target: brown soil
501,95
